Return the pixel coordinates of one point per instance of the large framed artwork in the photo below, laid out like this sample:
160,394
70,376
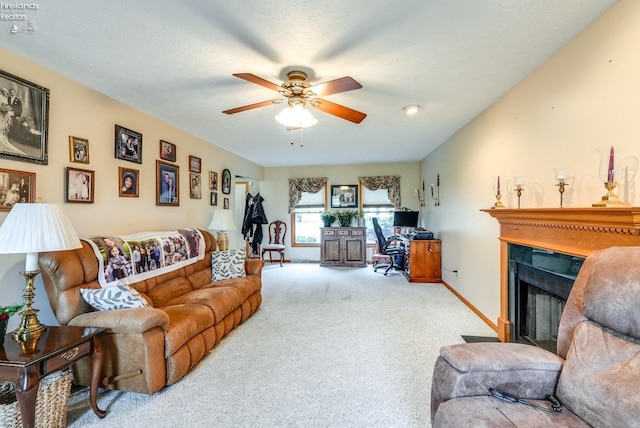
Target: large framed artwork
24,120
128,145
16,186
344,196
167,184
80,185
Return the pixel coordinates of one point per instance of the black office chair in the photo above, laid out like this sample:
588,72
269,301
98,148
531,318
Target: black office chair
395,253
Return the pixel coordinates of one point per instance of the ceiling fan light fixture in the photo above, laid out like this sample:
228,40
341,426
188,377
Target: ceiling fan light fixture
412,108
296,117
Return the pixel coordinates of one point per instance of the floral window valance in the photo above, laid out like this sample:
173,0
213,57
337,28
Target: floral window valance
389,182
299,185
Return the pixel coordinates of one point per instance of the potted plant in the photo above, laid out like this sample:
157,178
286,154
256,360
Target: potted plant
5,313
328,218
345,217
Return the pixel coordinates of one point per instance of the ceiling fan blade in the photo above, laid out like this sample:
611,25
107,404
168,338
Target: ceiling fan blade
252,106
338,110
343,84
258,80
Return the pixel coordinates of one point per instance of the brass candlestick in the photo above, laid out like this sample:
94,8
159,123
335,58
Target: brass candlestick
498,203
519,190
561,185
610,199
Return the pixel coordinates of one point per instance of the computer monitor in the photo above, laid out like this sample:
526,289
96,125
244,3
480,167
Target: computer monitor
407,220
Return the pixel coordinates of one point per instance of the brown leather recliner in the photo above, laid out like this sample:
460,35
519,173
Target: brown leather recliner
148,348
595,376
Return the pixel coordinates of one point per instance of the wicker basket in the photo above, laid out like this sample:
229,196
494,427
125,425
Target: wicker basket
51,404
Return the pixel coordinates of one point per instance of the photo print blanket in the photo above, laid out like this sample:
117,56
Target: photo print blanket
131,258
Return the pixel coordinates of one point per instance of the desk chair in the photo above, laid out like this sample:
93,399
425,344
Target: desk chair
277,231
395,253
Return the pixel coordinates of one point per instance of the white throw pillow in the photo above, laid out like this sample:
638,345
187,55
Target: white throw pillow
227,264
116,297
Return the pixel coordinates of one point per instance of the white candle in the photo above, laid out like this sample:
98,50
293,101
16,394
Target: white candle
518,181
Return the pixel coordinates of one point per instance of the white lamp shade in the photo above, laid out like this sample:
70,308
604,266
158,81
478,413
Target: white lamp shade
222,220
34,228
296,117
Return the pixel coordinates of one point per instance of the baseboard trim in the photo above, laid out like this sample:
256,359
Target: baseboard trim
473,308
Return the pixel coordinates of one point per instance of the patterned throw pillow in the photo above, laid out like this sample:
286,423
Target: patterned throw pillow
227,264
117,297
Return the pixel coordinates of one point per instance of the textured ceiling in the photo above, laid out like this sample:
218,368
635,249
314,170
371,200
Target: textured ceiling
174,60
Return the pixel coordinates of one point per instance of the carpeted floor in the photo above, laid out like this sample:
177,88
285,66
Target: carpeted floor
330,347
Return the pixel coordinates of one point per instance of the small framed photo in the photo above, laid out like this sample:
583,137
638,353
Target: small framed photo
226,204
24,113
16,186
128,145
195,186
128,183
167,184
80,185
78,150
214,198
194,164
167,151
226,181
344,196
213,180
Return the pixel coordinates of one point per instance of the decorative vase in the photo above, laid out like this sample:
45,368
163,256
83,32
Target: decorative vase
327,224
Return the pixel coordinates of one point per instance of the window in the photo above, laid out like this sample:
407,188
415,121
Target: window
305,218
376,203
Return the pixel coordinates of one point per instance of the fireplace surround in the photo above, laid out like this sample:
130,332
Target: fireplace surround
574,232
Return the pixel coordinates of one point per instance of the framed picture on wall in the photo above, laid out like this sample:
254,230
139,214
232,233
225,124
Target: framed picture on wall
128,145
226,181
214,198
167,184
128,183
24,110
80,185
78,150
16,186
213,180
344,196
195,186
167,151
195,164
226,204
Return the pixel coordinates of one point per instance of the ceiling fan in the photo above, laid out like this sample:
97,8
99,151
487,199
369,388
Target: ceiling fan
297,91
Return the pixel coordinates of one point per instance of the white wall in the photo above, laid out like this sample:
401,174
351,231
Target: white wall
582,100
81,112
276,186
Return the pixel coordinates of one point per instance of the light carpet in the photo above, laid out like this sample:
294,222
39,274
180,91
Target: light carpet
329,347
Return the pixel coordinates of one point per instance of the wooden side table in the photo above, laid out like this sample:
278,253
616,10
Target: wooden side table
56,349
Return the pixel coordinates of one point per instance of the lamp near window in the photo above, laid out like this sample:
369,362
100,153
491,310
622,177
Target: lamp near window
222,221
32,228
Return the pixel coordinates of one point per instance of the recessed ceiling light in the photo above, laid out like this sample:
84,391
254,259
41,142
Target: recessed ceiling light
411,109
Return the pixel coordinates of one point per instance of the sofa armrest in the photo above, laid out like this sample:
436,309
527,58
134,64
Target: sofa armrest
254,266
470,369
124,320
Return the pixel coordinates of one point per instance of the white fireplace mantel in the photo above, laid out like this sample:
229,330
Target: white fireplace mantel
572,231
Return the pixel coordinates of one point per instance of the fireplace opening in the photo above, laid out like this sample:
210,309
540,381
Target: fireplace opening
541,297
540,283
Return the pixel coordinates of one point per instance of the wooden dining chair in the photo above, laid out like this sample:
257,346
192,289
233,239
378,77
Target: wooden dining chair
277,232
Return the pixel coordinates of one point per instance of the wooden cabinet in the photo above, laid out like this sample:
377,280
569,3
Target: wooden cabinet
422,260
343,246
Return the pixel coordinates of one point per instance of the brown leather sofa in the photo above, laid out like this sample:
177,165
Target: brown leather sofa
148,348
595,376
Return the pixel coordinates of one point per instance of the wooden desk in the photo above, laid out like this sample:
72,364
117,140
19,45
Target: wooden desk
56,349
422,260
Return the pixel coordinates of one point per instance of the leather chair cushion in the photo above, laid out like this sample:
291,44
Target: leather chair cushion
220,300
185,322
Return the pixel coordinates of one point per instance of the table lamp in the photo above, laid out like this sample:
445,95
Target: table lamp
222,221
31,228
